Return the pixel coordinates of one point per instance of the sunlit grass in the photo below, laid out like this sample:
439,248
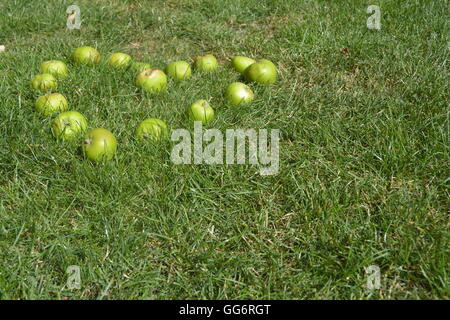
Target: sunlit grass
364,158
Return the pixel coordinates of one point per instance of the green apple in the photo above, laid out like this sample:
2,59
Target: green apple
44,82
119,60
86,55
201,111
238,93
138,67
152,80
241,63
152,128
69,125
55,67
99,145
50,104
206,63
268,62
263,72
179,70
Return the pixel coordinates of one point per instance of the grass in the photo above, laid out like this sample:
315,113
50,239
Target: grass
364,155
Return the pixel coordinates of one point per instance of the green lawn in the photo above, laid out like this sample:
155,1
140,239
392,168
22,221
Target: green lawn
364,154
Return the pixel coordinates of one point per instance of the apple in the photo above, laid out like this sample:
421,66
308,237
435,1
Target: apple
263,72
206,63
179,70
152,80
99,145
238,93
241,63
152,128
86,55
50,104
44,82
138,67
69,125
119,60
268,62
55,67
201,111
